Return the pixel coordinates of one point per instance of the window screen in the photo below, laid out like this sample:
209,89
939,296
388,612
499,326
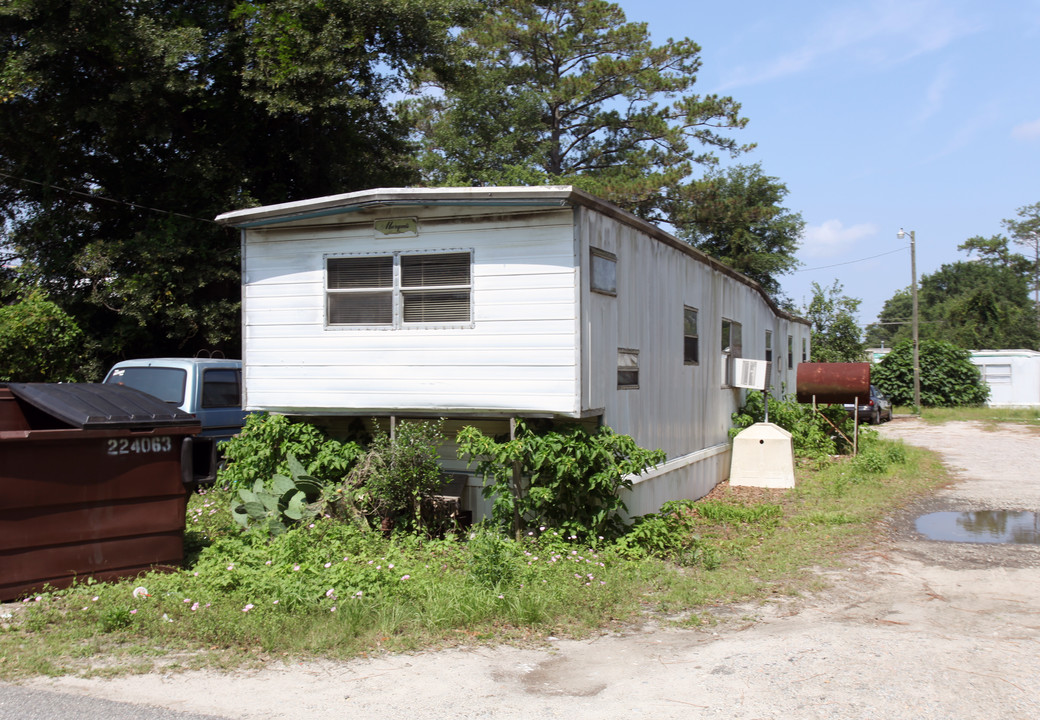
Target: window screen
399,289
361,290
603,275
628,369
435,288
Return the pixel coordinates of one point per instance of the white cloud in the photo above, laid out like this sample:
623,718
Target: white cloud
1027,131
832,238
936,93
968,130
881,33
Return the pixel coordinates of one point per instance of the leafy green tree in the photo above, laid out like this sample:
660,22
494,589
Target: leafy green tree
948,377
836,336
976,304
736,216
1026,231
893,323
127,125
569,91
39,342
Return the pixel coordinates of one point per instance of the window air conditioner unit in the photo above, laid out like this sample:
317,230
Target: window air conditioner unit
752,374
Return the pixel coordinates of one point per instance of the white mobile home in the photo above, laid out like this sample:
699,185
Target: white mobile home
1013,376
484,304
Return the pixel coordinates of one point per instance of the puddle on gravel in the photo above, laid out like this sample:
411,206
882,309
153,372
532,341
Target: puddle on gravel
982,526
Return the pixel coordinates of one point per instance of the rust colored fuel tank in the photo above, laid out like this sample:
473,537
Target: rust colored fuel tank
833,382
106,499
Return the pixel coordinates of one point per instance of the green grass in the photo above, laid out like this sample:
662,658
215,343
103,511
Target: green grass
336,591
937,416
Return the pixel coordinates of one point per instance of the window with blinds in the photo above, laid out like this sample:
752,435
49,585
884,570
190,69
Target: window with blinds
399,289
435,288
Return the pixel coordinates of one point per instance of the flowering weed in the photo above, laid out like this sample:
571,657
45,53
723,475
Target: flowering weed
336,589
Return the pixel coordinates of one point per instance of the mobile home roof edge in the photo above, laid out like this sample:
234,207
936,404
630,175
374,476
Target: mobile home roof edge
521,196
367,199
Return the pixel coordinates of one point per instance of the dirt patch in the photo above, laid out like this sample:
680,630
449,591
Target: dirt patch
911,628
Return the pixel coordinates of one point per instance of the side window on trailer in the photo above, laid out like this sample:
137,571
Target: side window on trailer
731,340
691,340
602,271
399,289
732,347
996,374
628,369
769,346
805,350
435,288
790,352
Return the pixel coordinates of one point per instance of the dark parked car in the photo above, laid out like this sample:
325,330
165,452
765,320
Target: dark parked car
874,410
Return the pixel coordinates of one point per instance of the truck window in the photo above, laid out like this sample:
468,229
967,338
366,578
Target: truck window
221,388
167,384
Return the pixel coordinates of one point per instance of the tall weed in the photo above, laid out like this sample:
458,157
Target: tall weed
827,431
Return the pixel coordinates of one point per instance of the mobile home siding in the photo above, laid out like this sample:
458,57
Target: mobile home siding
683,409
518,355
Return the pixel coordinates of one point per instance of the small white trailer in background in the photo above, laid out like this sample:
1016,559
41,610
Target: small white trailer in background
1013,376
480,305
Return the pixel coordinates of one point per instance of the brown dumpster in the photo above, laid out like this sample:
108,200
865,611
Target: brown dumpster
94,481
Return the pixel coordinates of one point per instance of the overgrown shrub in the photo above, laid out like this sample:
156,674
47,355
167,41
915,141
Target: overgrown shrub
813,434
948,377
670,534
39,342
262,449
397,476
571,478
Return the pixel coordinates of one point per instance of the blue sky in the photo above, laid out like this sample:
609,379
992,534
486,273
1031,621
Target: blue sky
877,114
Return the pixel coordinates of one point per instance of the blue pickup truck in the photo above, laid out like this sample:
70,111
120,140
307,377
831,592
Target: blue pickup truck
209,389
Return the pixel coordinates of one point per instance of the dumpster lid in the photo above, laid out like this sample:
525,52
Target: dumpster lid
98,406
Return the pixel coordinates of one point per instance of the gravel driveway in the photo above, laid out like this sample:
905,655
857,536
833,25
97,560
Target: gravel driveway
912,629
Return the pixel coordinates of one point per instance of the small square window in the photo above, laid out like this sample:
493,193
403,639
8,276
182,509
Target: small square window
996,374
603,272
628,369
691,341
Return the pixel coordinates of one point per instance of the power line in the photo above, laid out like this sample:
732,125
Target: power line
94,198
850,262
